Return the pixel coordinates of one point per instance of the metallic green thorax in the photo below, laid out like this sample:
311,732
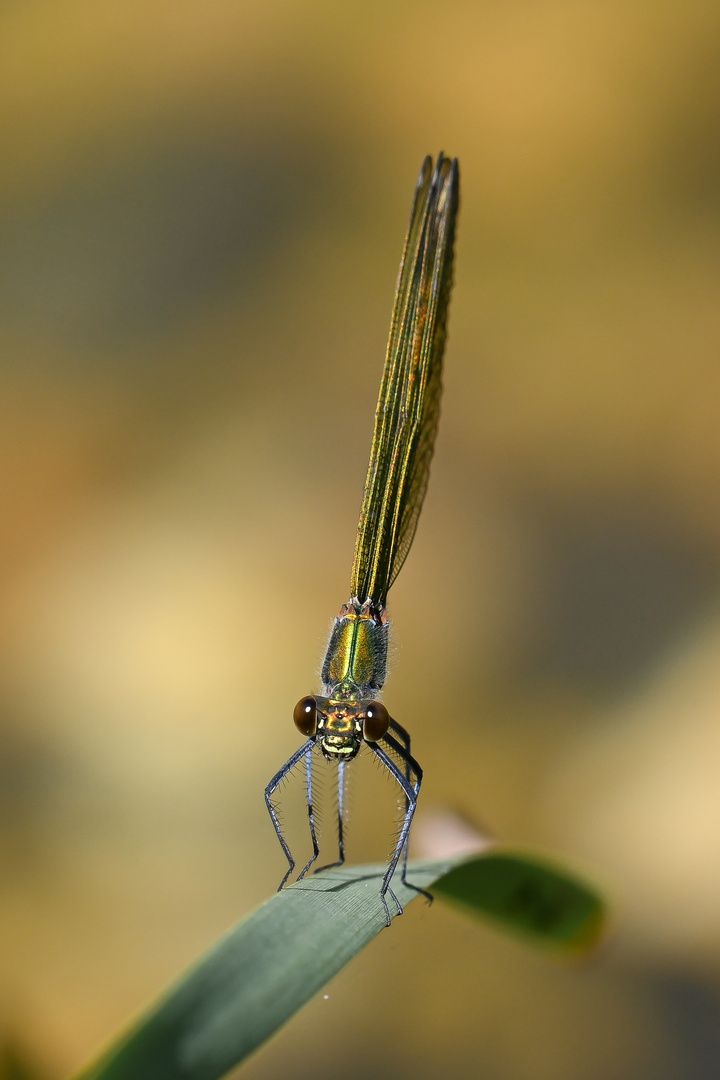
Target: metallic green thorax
357,650
353,672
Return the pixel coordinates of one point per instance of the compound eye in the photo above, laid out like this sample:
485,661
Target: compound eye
305,716
376,722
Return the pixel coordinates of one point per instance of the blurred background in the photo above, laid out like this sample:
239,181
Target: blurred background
202,209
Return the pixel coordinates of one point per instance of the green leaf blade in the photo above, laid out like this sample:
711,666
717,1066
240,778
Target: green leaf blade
530,895
258,975
277,958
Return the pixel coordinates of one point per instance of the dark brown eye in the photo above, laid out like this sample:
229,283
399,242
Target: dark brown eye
305,716
376,722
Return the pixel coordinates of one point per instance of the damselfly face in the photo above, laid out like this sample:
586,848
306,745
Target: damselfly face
341,723
339,729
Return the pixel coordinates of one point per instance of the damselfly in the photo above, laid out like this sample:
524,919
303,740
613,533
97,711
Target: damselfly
348,714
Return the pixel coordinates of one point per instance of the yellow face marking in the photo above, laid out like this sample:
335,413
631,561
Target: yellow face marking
339,724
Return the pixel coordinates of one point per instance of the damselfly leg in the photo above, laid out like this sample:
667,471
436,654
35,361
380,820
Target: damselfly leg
340,820
311,814
305,750
410,764
410,789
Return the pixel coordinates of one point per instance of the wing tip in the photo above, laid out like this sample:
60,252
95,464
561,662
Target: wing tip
446,173
425,172
439,173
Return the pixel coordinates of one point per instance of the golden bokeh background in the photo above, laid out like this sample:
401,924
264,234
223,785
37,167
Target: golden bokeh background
202,207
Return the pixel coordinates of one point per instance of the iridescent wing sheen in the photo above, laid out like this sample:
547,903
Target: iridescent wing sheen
409,404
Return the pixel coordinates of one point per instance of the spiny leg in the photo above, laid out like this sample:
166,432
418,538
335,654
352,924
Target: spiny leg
340,820
411,794
311,818
404,738
341,813
411,766
289,765
401,733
